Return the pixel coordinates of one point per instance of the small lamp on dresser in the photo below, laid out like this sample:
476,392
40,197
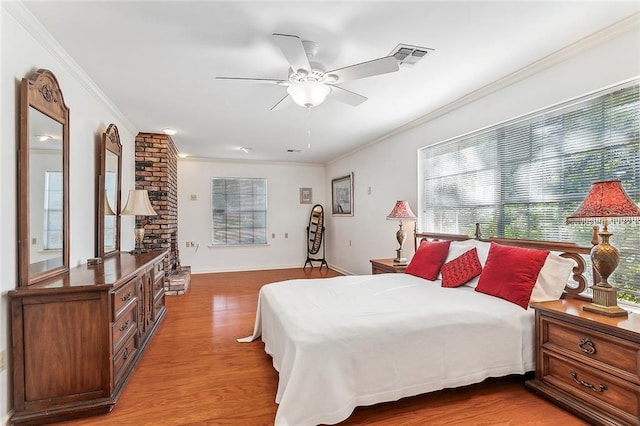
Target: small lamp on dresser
401,211
606,203
138,204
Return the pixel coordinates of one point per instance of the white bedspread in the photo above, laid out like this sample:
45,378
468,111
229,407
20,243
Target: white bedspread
359,340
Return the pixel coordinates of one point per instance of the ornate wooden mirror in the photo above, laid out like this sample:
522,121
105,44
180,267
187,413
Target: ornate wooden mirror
43,173
108,196
315,237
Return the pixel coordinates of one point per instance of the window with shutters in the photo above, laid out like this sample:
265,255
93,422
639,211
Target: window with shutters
239,211
522,178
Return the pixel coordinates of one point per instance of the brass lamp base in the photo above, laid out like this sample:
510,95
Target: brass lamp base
399,259
401,237
605,302
139,233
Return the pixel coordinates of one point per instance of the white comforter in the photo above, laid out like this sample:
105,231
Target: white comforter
359,340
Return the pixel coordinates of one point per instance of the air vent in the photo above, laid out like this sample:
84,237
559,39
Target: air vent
408,55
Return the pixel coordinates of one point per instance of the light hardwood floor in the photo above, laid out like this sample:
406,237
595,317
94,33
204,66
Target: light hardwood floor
195,373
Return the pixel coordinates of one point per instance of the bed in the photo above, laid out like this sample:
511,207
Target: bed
350,341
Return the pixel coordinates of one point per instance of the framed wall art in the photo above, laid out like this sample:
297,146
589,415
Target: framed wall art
342,195
305,195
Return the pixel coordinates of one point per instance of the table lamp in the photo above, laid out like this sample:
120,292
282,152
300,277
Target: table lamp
400,212
138,204
606,203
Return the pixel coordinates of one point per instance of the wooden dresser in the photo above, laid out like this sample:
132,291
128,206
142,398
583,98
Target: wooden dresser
77,337
385,266
588,363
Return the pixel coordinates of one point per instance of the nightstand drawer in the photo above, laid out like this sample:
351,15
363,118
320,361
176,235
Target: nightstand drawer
593,386
386,266
618,356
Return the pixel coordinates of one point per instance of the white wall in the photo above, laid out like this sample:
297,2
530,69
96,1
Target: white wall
23,53
285,214
390,167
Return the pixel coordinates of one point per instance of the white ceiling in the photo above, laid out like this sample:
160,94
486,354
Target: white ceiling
157,62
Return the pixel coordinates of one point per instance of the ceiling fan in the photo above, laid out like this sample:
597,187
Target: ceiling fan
308,85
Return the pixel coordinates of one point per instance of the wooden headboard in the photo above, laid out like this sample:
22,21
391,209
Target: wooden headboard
565,249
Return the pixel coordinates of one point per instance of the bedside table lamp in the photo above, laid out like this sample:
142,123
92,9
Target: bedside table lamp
400,212
606,203
138,204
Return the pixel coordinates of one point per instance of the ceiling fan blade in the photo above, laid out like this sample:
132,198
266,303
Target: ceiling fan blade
293,50
365,69
282,103
255,80
346,96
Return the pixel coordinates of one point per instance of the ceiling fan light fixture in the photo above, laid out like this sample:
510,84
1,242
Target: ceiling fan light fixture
308,93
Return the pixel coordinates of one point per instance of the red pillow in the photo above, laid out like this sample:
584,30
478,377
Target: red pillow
428,260
461,269
511,272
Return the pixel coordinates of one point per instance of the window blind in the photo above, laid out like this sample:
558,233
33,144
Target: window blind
522,178
53,214
239,211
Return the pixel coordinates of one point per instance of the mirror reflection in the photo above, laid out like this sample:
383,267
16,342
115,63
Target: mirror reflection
46,189
110,191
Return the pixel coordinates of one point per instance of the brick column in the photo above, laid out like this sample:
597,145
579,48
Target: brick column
157,172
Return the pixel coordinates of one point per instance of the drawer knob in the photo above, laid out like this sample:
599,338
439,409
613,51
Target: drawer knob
126,297
124,326
587,346
125,354
600,388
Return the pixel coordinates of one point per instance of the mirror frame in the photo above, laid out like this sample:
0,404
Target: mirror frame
41,92
110,143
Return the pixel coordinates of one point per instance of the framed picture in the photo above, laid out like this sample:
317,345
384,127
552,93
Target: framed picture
305,195
342,195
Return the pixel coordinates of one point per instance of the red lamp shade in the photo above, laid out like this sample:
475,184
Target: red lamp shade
402,210
606,202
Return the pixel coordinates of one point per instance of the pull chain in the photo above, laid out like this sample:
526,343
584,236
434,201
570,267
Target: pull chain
308,127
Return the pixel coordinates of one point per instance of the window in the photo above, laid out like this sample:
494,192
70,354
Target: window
53,211
239,211
522,178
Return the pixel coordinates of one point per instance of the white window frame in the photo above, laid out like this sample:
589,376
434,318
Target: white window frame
239,211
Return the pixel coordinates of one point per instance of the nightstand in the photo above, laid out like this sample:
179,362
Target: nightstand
385,266
588,363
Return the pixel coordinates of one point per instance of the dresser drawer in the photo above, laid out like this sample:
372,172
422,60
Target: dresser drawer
122,296
158,287
123,359
618,356
158,306
593,386
158,270
124,326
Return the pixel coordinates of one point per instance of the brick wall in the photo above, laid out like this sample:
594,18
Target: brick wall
157,172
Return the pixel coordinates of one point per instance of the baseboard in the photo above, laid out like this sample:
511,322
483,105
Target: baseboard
6,418
342,271
269,268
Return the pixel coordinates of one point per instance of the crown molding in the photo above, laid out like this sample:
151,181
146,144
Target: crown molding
196,158
23,15
606,34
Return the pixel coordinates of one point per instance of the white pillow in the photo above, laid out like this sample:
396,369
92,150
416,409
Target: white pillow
552,278
458,248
